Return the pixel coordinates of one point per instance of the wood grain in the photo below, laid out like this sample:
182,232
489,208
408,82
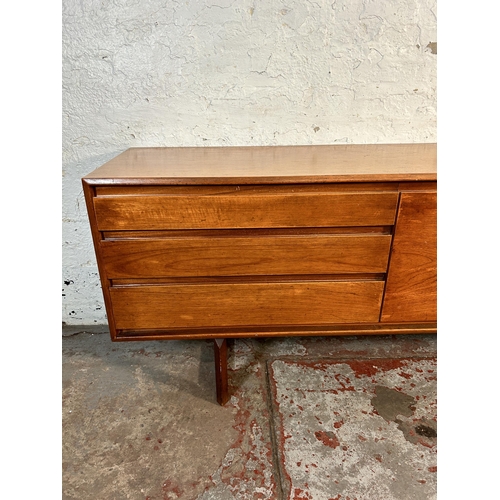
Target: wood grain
411,290
239,210
270,164
181,306
240,256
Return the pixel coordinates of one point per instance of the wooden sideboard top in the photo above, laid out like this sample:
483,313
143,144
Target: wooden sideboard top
270,164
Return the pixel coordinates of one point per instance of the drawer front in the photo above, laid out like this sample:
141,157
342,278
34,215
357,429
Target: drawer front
239,256
245,304
243,210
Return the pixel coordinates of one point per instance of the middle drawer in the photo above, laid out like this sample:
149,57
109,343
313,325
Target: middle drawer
245,255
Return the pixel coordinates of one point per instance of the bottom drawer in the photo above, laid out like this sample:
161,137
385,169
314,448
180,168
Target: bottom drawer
245,304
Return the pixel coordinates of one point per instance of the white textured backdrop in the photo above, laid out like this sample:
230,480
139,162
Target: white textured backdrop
231,72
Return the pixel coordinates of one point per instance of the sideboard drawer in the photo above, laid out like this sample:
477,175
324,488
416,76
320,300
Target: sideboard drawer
246,304
245,210
246,255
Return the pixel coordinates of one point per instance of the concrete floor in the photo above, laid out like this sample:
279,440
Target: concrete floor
338,418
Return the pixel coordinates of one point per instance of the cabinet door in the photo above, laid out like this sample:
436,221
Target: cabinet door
411,289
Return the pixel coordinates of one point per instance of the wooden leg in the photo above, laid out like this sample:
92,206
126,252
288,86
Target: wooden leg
220,351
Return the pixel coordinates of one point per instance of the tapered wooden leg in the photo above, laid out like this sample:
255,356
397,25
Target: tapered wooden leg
220,351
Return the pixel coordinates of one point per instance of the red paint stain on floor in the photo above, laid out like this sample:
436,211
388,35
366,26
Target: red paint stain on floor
299,494
327,438
368,368
336,382
427,445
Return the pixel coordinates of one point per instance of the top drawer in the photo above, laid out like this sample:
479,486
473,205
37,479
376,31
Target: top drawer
200,208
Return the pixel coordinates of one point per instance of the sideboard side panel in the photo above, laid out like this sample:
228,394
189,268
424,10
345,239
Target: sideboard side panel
89,192
411,289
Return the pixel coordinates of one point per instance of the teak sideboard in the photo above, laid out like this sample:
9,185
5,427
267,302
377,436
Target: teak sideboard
225,242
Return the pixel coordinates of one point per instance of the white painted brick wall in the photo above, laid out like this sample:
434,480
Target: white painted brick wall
230,72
